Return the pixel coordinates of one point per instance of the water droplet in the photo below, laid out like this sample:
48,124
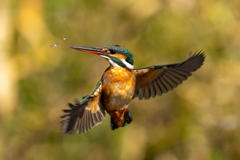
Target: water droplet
55,44
51,46
64,38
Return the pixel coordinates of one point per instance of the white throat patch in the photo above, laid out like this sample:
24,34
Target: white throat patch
110,61
128,65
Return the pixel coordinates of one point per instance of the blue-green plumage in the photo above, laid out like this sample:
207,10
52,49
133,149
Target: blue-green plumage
121,50
118,61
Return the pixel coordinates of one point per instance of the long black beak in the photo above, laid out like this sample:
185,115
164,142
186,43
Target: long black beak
93,50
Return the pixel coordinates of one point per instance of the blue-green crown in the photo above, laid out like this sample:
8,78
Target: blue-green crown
121,50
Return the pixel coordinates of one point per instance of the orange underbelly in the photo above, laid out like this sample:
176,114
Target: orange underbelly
118,88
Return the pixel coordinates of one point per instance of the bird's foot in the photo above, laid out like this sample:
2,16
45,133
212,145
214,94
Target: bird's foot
126,110
117,114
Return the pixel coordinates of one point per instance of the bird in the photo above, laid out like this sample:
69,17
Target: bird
120,84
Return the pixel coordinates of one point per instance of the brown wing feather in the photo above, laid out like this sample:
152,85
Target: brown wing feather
159,79
85,115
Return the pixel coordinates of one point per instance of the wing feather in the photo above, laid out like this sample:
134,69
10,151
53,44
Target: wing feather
178,75
166,84
161,85
147,93
157,88
152,90
158,79
174,78
84,115
140,93
170,81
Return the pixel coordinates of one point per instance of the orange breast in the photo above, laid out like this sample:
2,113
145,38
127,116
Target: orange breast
118,88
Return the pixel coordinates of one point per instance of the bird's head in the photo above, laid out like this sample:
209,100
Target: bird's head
116,55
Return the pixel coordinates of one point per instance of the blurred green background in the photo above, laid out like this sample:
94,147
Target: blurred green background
199,120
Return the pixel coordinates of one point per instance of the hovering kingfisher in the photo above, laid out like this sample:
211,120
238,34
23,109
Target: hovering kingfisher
120,84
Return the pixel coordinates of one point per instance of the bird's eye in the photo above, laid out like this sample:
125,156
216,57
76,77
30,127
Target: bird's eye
112,51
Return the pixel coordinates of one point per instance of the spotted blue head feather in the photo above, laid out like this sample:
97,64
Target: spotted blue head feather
123,51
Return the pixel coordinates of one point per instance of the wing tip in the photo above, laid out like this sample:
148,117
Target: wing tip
80,119
200,54
196,60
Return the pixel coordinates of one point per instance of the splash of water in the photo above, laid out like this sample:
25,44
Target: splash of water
55,45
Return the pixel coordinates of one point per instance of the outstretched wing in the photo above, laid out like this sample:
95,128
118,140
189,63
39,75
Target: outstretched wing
84,115
159,79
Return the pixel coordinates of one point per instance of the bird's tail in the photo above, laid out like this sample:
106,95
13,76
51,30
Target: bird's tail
127,120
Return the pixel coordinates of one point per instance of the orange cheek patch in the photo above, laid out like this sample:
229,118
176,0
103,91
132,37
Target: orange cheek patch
119,56
104,49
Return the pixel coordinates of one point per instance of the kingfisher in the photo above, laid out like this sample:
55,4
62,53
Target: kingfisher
120,84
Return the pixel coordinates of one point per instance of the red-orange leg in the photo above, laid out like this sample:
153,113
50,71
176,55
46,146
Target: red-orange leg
117,114
126,110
